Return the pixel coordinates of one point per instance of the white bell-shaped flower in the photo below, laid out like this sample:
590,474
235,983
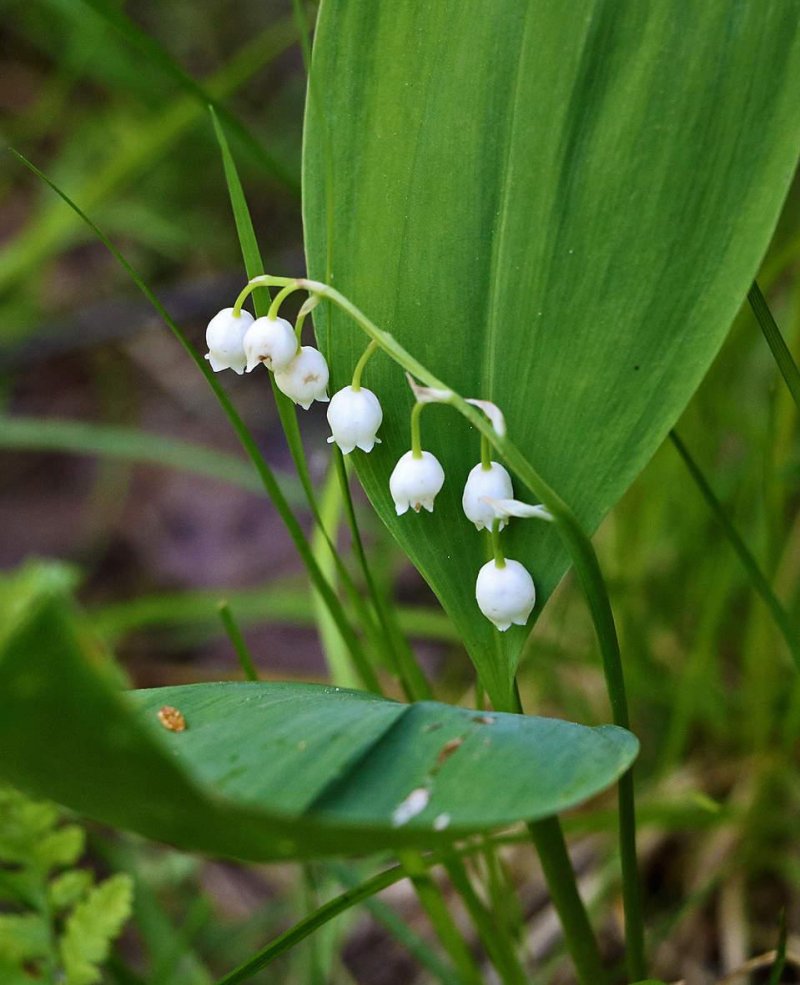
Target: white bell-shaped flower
354,417
225,340
414,482
494,483
505,595
270,341
305,379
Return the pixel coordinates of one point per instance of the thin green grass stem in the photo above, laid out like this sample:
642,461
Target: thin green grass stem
440,917
776,973
341,669
271,486
587,569
408,671
548,839
286,409
755,574
133,445
581,943
238,642
408,938
493,934
290,938
775,341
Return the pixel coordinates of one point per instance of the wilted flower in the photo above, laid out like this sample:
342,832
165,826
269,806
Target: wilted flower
495,483
305,379
415,481
225,338
506,594
354,417
270,341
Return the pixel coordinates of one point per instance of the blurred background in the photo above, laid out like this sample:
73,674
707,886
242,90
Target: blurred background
115,459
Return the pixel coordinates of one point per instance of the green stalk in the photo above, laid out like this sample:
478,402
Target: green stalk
486,453
238,642
552,850
265,473
286,941
358,372
757,577
493,935
286,409
548,839
412,679
339,662
775,341
438,914
416,436
587,569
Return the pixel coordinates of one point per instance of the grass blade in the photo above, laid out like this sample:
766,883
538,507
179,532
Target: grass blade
265,473
750,564
251,255
281,601
314,921
157,56
776,974
238,643
775,341
133,445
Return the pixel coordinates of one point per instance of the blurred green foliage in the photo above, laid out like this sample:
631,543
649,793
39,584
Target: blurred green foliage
714,698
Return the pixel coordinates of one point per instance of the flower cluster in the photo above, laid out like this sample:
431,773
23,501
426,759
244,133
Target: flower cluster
504,589
239,342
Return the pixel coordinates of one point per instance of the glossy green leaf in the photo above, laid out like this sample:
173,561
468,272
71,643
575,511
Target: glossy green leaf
558,207
273,770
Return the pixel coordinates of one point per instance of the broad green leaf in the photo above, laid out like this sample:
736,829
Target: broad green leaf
275,770
558,207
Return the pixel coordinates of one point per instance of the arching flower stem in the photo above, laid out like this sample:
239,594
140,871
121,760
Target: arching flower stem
279,298
305,310
367,354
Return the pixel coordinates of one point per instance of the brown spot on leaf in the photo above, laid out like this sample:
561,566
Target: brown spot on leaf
447,750
172,719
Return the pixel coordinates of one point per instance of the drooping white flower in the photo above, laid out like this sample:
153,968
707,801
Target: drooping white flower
494,483
354,417
415,482
305,379
505,595
270,341
225,340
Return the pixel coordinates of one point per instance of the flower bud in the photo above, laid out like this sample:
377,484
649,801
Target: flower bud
305,379
494,483
505,595
415,482
270,341
224,338
354,417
